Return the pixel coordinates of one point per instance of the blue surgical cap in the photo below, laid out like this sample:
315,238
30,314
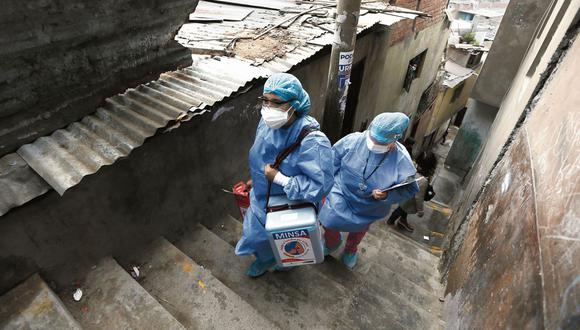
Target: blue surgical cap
288,88
389,126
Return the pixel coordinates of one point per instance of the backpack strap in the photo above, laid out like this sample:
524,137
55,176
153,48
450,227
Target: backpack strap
285,153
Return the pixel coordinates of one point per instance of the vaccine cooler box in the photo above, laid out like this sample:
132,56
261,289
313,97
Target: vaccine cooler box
294,233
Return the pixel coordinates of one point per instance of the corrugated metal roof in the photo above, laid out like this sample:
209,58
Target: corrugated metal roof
221,12
455,74
18,183
125,121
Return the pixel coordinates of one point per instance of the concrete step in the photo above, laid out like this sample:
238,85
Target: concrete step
404,255
412,248
433,224
113,300
388,253
289,299
191,293
227,228
33,305
230,230
398,298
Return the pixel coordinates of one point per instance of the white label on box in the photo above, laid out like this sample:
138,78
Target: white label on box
289,216
294,247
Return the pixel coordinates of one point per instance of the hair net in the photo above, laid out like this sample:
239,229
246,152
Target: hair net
289,88
389,126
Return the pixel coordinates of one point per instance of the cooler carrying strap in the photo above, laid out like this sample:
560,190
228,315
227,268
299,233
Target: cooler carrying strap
285,153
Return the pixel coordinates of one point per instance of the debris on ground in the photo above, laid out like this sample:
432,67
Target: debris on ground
276,44
78,294
187,267
135,272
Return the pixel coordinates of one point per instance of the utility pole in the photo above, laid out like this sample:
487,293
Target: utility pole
347,13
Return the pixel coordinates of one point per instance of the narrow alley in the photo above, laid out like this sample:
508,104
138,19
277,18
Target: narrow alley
129,131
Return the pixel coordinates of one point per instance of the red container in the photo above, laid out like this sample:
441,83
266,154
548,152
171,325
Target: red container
242,196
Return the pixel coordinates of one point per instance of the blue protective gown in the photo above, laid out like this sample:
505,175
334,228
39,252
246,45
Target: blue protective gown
349,209
310,169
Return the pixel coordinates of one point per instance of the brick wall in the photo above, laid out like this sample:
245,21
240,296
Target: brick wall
436,8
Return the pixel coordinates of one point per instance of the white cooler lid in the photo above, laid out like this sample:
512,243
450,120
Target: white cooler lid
289,219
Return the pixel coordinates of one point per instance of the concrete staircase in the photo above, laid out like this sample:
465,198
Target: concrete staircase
198,283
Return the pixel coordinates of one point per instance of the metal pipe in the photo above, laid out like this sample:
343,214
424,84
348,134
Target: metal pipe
341,58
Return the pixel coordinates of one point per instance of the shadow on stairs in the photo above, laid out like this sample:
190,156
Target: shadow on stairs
197,282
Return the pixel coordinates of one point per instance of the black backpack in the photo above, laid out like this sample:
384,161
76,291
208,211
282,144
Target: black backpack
429,193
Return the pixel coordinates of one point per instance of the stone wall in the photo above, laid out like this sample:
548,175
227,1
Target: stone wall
60,59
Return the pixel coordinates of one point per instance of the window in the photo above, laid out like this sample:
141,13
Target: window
457,92
426,100
466,16
414,70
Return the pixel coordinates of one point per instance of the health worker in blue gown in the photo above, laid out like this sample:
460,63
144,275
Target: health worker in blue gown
364,165
306,174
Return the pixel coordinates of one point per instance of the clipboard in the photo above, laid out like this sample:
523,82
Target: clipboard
404,183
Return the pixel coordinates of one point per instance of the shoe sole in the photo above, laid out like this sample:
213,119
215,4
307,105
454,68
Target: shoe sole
402,226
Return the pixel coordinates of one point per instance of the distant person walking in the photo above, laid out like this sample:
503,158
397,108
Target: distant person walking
426,165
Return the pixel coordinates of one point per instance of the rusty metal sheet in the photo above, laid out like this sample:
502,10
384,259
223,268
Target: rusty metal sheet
495,282
554,136
217,38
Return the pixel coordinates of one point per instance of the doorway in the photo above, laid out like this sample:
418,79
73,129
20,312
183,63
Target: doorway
356,78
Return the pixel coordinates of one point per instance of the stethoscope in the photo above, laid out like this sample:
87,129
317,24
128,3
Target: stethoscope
363,185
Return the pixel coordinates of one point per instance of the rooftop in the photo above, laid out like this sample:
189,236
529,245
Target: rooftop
455,74
485,12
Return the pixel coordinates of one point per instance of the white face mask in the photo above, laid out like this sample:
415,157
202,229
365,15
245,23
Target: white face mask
377,148
274,118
